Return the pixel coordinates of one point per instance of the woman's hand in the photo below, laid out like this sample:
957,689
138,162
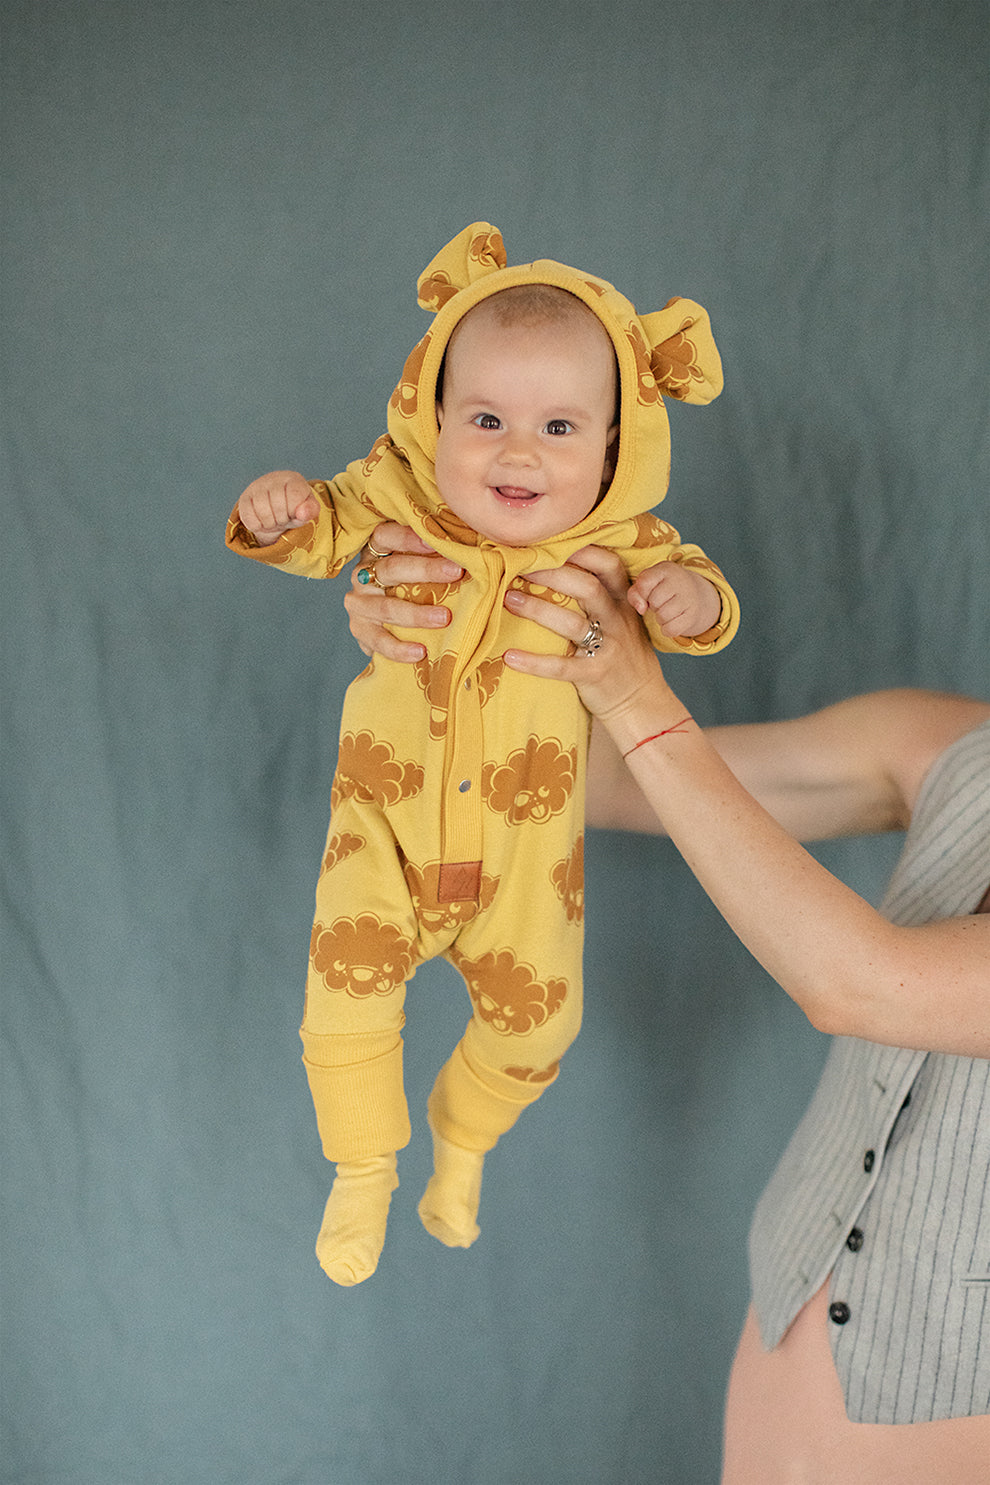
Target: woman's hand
370,607
621,683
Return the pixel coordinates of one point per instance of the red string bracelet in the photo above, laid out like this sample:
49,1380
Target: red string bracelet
653,736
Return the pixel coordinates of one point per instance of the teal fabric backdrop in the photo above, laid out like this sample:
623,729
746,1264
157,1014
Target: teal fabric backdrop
215,216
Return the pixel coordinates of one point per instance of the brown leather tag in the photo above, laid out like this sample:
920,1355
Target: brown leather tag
460,881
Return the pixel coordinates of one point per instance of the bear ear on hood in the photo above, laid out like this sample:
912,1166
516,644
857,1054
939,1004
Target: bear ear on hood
683,355
473,253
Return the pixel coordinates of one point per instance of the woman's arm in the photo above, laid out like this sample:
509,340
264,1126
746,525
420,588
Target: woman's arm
853,768
850,970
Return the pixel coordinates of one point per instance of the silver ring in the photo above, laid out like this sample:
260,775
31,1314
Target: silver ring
592,641
374,553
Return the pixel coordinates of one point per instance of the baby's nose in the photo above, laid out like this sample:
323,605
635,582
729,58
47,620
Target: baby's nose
520,448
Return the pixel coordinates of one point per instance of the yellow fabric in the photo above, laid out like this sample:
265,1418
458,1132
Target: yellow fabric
449,1206
459,793
355,1219
472,1103
361,1097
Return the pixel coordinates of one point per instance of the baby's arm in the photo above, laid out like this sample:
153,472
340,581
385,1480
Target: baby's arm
684,602
276,503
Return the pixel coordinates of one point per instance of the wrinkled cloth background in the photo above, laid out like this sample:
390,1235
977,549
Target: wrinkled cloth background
215,216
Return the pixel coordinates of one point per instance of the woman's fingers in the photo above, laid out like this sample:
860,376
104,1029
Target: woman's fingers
370,609
391,537
585,575
374,606
622,668
408,570
598,610
598,582
407,560
563,621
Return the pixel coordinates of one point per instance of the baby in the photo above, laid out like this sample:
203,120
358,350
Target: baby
529,422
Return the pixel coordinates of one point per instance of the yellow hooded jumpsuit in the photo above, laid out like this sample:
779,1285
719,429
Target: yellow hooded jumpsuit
458,799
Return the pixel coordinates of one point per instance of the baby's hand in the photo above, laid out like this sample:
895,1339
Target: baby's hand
683,601
275,503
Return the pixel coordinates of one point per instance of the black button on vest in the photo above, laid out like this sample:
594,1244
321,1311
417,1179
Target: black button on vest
855,1240
839,1312
868,1160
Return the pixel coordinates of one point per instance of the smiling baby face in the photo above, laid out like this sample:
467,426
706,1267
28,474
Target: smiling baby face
527,415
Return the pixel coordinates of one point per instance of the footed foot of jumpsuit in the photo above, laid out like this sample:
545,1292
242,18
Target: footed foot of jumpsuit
449,1207
353,1232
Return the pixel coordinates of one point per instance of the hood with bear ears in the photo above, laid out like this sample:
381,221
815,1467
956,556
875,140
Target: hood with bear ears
667,353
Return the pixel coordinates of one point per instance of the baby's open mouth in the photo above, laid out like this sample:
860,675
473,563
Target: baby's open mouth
516,494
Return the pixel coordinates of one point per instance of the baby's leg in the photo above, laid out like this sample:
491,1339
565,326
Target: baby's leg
449,1207
354,1221
352,1053
470,1108
489,1080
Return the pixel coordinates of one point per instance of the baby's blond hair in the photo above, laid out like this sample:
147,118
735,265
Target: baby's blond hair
526,304
533,304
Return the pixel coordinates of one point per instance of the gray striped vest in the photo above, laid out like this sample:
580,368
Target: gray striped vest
886,1182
